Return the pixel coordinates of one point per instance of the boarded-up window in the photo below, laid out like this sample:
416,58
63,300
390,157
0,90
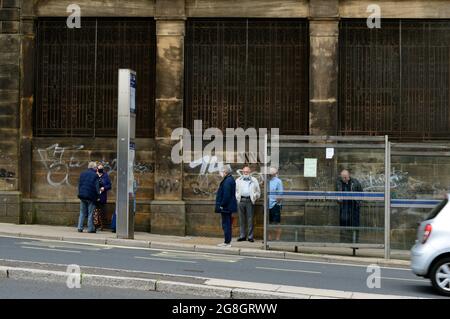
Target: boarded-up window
77,71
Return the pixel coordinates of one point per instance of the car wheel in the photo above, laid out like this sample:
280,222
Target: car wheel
440,276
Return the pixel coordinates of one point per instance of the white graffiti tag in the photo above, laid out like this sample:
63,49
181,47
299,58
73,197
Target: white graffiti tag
207,162
57,165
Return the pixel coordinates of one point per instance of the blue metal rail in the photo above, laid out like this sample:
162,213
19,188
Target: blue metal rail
363,196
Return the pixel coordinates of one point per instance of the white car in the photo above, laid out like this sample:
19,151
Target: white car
430,256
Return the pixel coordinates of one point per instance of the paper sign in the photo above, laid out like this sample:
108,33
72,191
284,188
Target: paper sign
310,169
330,152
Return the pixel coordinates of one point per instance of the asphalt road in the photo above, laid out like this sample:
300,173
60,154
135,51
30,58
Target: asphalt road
30,289
302,273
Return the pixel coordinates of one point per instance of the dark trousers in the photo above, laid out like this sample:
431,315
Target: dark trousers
113,221
226,226
349,217
101,218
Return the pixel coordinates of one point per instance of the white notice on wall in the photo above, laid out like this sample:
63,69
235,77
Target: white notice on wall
310,169
330,152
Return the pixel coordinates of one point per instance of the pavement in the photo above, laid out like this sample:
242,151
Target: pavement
193,266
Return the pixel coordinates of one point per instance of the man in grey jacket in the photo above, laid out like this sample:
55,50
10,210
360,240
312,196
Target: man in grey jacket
247,192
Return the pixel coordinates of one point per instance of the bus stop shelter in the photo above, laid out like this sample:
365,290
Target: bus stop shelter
309,167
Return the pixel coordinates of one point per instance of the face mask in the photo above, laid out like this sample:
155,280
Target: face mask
100,170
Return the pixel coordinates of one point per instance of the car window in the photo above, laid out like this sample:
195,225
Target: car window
437,209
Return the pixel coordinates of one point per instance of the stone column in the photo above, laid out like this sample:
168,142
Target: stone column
323,69
323,73
168,209
10,201
27,56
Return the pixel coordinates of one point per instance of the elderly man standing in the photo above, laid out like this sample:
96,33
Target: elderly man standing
226,203
348,209
247,192
88,191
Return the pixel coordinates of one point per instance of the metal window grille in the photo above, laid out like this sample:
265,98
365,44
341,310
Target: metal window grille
247,73
77,70
395,80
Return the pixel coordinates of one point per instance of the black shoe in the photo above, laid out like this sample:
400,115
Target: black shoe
241,239
80,230
251,240
113,231
92,232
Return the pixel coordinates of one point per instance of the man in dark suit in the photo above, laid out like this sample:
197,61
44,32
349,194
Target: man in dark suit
88,191
226,203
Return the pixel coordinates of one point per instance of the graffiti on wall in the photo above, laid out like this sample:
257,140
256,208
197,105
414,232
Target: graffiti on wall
58,161
5,157
402,184
167,185
6,174
8,179
207,180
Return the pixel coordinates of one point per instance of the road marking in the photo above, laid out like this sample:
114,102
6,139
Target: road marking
53,249
225,259
339,264
164,259
61,245
131,271
291,270
404,279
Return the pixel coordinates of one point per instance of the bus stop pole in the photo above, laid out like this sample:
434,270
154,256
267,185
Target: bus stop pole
126,150
387,198
265,191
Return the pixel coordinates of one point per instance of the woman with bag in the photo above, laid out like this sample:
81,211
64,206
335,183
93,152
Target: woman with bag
104,187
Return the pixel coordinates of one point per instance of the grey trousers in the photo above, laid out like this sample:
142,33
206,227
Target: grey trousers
246,217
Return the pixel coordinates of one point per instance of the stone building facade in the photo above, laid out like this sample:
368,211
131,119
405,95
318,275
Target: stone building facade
319,61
